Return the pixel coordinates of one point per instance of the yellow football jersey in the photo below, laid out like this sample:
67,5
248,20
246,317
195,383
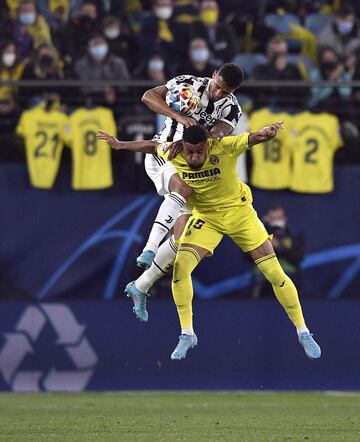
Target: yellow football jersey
271,160
216,184
316,137
44,134
91,158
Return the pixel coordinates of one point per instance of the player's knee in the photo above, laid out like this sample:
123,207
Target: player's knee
183,266
276,276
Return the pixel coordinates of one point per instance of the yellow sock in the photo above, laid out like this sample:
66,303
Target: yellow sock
283,287
186,261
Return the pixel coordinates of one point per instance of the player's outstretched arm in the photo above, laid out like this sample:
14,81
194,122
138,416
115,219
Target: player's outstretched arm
155,99
265,134
145,146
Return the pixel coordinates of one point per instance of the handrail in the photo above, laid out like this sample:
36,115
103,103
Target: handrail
149,83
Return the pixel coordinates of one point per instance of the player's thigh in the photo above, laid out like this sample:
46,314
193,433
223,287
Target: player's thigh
246,229
201,232
180,225
160,173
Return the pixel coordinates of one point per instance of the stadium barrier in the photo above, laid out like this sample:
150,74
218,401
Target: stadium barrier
94,345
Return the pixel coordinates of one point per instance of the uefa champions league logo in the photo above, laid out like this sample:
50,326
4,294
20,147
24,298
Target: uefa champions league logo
70,338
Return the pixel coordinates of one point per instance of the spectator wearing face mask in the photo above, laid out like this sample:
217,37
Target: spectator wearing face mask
343,34
279,68
330,99
29,29
289,248
45,64
79,30
198,60
219,36
160,32
121,42
100,64
11,68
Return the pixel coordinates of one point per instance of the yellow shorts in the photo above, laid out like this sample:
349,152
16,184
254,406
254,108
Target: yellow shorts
240,223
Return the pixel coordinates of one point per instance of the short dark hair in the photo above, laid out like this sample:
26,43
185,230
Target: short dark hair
345,10
195,134
232,74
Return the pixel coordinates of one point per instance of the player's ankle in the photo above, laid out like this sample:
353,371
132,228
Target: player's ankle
302,329
187,331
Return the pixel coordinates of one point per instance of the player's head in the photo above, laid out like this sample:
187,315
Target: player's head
195,146
225,81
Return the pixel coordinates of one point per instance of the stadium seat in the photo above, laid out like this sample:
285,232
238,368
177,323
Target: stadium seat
247,62
280,23
301,59
317,22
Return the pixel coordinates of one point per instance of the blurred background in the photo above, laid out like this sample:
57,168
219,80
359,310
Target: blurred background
69,243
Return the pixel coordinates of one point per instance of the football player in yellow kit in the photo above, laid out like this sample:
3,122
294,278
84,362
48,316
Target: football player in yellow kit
222,205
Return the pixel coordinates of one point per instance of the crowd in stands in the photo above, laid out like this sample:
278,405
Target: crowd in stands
158,39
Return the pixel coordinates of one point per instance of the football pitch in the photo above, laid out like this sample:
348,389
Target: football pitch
180,416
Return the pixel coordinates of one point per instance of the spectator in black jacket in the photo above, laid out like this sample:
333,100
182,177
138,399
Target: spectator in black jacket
161,33
78,32
278,68
220,36
288,246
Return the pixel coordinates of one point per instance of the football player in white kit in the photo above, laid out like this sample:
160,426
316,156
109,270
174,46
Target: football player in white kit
218,111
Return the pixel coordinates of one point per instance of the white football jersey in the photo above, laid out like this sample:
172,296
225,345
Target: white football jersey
208,112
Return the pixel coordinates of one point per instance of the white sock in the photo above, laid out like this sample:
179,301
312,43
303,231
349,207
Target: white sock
163,261
165,219
300,330
187,331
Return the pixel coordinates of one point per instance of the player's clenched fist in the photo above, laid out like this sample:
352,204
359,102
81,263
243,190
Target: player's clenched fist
112,141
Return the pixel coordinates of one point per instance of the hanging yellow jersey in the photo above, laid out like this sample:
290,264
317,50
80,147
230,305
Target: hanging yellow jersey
271,160
316,138
44,134
91,158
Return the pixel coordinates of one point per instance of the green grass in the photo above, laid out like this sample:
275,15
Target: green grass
169,416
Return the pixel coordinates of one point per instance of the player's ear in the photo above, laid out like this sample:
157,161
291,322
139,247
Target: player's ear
214,74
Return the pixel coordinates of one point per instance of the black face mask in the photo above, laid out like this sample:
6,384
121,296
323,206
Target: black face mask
86,22
46,61
329,66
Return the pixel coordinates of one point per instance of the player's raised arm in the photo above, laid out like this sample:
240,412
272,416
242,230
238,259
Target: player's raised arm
265,134
145,146
155,99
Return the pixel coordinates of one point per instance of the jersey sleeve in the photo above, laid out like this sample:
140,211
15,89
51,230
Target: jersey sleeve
180,79
235,145
337,139
231,113
161,150
20,128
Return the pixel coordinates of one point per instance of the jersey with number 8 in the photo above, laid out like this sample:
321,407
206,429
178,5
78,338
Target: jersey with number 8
91,157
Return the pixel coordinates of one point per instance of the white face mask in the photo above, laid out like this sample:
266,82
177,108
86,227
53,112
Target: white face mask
112,33
9,58
163,12
280,223
156,65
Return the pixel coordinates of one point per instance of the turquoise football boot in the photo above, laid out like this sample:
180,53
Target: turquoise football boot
185,343
139,299
145,259
312,349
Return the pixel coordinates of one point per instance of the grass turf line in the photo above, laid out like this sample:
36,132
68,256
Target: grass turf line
179,416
